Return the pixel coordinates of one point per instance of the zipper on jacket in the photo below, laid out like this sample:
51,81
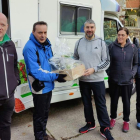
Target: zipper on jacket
124,53
5,72
7,54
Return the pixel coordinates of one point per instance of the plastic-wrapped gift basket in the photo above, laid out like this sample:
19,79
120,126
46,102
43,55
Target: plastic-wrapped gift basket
63,62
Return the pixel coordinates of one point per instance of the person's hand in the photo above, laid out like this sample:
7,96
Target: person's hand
61,78
89,72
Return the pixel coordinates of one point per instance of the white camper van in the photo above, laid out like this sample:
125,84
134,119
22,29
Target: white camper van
65,19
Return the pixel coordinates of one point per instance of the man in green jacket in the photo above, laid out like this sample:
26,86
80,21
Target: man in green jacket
9,79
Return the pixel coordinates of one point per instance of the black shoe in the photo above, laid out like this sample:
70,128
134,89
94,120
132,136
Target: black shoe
89,126
106,134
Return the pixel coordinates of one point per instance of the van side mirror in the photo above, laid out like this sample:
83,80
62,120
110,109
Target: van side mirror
136,42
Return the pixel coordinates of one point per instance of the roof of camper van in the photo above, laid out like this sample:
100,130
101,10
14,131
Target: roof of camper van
110,13
110,5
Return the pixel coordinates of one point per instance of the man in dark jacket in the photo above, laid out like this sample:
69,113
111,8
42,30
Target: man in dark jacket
9,79
123,67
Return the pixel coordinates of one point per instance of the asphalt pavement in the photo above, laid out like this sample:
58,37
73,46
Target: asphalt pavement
65,119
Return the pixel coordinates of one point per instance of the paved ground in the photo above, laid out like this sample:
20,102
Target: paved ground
67,117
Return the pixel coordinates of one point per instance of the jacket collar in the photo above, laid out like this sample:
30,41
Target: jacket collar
118,44
95,38
5,39
46,44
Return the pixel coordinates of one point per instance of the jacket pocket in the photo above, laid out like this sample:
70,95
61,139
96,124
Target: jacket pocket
126,77
38,85
12,83
114,76
3,92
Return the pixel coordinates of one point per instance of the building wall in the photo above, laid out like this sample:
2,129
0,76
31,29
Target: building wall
134,32
132,3
122,2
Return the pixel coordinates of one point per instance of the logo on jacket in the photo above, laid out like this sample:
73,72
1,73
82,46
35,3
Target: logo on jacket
11,54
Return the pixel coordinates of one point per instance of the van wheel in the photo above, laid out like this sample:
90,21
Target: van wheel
134,88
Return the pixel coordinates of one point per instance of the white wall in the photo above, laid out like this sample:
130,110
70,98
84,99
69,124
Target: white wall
23,15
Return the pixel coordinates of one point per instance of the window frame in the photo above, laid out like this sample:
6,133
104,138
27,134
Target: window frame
68,35
65,33
79,33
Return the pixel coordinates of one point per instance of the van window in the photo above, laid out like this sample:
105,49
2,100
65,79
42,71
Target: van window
110,30
72,19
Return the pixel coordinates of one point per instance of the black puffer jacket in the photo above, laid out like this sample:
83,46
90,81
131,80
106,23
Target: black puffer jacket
9,74
123,63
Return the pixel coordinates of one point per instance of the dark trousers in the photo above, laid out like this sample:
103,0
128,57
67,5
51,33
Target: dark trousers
40,115
6,111
138,99
115,91
98,89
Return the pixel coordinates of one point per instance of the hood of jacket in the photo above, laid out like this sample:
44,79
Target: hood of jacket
119,45
46,44
93,39
5,39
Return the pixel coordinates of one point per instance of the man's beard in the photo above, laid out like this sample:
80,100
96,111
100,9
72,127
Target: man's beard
89,36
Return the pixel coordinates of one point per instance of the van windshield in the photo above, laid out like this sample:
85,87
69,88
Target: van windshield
110,30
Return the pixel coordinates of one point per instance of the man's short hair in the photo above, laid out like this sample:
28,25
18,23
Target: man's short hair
89,21
39,23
